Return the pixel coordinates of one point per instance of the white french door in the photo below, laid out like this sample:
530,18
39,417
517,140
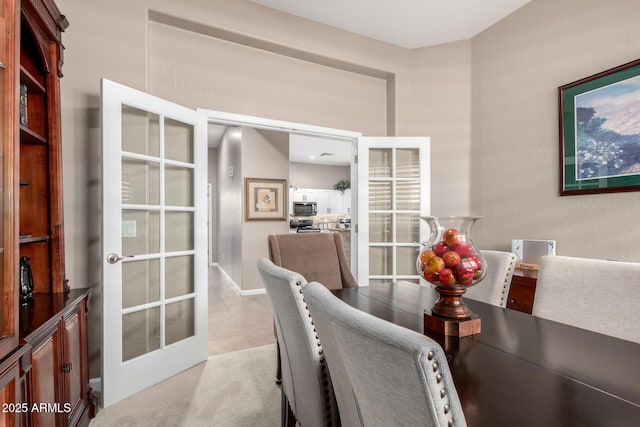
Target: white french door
154,235
393,192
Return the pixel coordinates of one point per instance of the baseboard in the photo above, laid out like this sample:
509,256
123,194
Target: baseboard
240,291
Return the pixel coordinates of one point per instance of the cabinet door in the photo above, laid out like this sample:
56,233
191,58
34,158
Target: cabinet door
45,369
346,202
13,388
322,200
73,367
335,202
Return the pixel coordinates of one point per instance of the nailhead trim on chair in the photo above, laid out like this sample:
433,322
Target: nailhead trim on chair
325,383
443,391
506,283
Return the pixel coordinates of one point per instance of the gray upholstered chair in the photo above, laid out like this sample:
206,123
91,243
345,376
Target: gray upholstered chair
494,288
306,386
598,295
383,374
318,257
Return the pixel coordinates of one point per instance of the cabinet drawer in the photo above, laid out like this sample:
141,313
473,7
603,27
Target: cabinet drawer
522,292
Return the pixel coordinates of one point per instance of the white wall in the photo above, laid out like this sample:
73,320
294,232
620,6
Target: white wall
306,175
229,212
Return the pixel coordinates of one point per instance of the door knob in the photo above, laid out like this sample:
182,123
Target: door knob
114,258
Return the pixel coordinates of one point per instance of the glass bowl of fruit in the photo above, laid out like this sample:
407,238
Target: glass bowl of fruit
451,262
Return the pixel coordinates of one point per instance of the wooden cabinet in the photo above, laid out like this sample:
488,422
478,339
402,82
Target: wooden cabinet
41,235
55,328
523,290
43,349
14,388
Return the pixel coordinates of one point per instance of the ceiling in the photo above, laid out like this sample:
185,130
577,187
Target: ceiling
319,151
406,23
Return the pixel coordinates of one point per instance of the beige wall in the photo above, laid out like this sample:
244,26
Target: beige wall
489,105
517,66
265,154
116,40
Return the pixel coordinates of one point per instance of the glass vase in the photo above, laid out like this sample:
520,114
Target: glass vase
451,262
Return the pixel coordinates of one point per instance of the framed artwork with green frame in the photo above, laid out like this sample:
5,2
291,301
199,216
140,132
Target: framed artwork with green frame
600,132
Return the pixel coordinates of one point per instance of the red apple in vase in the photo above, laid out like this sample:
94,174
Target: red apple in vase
447,277
440,248
464,268
431,277
451,259
427,255
434,265
463,249
451,236
477,261
465,277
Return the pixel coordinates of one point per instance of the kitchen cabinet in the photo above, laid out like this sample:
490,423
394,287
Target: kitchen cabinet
304,195
329,201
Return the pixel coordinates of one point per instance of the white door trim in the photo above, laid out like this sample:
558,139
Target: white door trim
233,119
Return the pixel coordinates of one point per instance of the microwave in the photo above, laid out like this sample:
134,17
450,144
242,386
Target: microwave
305,208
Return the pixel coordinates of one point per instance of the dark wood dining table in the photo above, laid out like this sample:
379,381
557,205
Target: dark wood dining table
522,370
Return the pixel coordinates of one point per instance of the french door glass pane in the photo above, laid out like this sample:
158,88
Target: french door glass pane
178,231
140,333
179,320
408,195
178,186
140,232
380,228
406,260
140,282
380,260
380,195
178,141
140,182
140,131
380,162
407,163
179,276
407,228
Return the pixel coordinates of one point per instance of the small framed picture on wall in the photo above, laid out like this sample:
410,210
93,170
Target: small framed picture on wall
265,199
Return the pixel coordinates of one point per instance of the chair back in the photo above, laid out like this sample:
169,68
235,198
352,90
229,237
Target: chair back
318,257
305,378
494,288
384,374
598,295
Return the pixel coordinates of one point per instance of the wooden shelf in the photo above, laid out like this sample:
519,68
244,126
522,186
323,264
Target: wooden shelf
33,85
34,239
27,136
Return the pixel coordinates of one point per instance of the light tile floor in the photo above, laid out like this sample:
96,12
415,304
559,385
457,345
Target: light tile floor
236,322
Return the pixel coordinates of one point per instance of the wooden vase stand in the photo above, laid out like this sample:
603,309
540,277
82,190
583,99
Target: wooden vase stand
450,316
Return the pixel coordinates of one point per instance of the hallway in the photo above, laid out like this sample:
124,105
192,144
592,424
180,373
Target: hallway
236,322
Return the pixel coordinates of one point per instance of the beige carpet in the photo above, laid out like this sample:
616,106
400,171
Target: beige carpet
230,389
